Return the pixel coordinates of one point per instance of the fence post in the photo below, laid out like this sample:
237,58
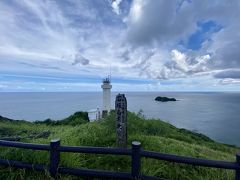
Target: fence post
237,175
54,157
136,160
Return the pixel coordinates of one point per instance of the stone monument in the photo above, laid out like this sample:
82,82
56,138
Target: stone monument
121,120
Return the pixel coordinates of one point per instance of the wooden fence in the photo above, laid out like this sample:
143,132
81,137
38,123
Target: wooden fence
135,152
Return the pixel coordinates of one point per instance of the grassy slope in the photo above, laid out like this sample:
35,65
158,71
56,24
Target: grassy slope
154,135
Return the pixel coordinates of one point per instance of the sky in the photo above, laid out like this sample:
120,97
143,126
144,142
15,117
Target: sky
146,45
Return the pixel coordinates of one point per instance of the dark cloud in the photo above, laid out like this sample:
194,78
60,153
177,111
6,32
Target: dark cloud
125,55
164,24
233,74
79,59
158,21
227,54
143,60
164,21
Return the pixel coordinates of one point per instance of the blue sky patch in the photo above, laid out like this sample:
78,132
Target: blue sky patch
203,33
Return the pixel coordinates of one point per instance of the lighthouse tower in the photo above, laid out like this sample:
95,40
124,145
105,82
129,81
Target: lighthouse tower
106,86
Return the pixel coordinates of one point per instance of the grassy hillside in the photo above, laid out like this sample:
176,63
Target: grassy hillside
154,135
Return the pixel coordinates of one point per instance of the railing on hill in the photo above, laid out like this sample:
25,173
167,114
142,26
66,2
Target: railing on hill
135,152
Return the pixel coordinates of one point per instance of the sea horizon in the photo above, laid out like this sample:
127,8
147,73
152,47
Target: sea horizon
214,91
214,114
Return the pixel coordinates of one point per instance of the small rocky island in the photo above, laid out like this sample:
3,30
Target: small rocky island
164,99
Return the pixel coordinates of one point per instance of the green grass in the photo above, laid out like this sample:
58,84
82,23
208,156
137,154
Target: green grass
154,135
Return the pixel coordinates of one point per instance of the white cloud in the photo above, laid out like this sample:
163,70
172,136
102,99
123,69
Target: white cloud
136,11
180,60
115,5
82,38
163,24
228,81
36,32
40,31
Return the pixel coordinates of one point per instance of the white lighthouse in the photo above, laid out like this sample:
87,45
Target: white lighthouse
106,86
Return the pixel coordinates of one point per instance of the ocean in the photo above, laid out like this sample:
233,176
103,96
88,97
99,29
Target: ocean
215,114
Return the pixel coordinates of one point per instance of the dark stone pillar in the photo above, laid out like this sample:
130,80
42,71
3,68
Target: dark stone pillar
121,120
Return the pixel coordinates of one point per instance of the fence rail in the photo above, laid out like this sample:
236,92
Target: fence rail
135,152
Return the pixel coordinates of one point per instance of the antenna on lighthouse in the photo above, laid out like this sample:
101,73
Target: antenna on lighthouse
110,73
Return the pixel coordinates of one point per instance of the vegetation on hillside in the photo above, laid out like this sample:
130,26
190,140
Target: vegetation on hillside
155,135
76,119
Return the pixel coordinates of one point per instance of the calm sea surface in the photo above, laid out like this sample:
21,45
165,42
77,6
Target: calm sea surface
216,115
